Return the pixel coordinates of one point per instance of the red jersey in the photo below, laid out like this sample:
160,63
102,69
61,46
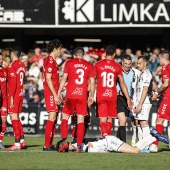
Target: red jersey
166,75
50,66
16,73
106,71
79,72
3,87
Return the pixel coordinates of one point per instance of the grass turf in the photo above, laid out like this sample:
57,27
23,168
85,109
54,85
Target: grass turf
34,158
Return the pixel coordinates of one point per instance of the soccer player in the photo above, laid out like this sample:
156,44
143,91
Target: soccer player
122,108
136,129
164,108
78,73
51,84
143,94
16,72
106,72
3,100
111,143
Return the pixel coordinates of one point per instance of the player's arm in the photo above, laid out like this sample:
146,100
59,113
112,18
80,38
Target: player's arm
13,81
51,87
125,91
62,83
92,90
4,94
163,87
142,99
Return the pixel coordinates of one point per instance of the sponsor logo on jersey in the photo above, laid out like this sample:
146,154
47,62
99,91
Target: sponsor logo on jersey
107,93
78,91
49,69
2,79
12,74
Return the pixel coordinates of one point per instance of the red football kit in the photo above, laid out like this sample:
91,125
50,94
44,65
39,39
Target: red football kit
50,66
16,72
3,92
164,108
79,72
106,71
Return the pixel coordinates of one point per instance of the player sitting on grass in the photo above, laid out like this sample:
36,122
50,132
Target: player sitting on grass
112,143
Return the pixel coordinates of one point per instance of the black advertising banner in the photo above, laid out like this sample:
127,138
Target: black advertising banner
27,12
114,13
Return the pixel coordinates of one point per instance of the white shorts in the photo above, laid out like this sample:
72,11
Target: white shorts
144,114
113,143
99,146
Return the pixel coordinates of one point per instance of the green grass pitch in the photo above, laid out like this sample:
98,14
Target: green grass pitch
34,158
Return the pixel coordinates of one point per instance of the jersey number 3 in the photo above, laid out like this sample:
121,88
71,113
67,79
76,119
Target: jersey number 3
108,79
80,79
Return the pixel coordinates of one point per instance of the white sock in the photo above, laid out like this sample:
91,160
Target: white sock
145,130
168,132
139,132
145,142
134,134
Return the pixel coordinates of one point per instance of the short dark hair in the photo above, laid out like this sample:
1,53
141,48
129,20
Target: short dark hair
0,53
143,57
110,50
79,51
62,146
16,51
53,44
127,57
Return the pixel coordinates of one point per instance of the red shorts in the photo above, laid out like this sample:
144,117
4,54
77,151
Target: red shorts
70,105
50,103
3,112
164,109
106,109
17,106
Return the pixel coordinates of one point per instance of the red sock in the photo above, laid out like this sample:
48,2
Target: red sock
103,128
16,129
74,132
53,134
160,129
109,127
64,128
3,129
21,128
48,132
80,133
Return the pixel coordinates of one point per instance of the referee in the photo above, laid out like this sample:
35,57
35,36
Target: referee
122,107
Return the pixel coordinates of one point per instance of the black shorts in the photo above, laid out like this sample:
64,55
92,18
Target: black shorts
122,105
